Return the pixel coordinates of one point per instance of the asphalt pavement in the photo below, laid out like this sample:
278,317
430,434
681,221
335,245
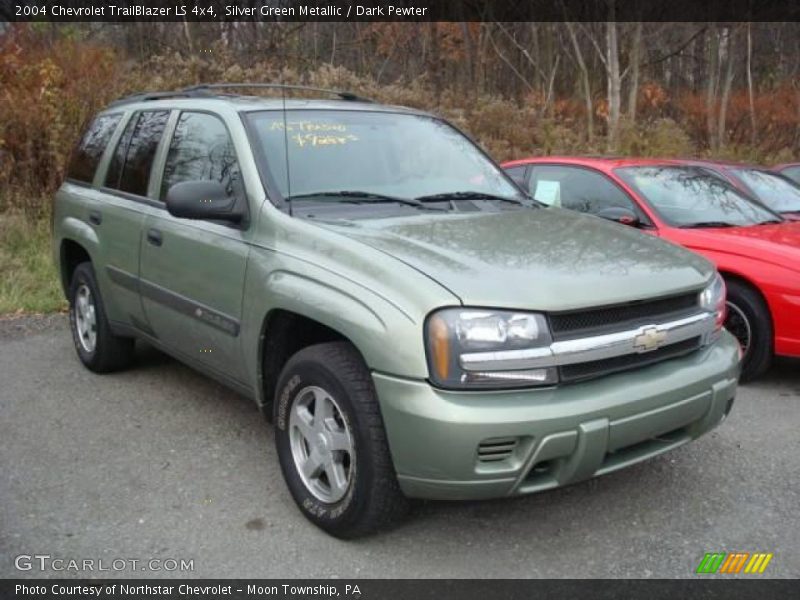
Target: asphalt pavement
161,463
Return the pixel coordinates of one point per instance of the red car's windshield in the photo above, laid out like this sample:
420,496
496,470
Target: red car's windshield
776,192
690,197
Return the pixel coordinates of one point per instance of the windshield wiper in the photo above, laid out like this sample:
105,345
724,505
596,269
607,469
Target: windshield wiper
361,197
702,224
466,195
769,222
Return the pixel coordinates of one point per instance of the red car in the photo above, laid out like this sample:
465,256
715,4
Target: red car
775,191
790,170
756,251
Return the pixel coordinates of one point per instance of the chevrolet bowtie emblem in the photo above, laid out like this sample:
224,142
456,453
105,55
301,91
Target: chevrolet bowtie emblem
650,339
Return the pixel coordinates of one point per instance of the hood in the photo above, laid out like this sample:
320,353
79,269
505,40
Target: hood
541,259
777,244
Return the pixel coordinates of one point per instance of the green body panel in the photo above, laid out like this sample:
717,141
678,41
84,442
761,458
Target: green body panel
116,246
434,434
207,291
544,259
204,262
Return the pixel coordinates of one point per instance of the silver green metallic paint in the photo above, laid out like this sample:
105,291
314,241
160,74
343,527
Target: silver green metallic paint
374,282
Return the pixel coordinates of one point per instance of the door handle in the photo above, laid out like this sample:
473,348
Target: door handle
154,237
95,217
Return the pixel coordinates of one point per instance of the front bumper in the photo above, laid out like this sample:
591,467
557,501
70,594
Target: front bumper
440,440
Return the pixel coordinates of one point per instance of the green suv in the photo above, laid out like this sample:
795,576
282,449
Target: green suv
411,322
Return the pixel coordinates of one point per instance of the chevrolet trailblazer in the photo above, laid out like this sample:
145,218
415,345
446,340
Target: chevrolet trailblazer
413,324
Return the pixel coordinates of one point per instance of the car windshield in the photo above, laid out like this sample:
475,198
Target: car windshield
774,191
362,158
691,197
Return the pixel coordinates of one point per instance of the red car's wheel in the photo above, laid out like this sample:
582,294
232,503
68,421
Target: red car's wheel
750,322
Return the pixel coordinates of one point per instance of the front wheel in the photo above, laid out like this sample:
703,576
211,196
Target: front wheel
331,442
749,321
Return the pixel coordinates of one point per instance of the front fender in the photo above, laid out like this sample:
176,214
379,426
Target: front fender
387,335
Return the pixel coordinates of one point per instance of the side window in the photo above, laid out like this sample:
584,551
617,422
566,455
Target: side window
517,174
577,189
201,149
90,149
792,173
130,166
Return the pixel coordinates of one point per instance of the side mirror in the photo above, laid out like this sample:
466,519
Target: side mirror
621,215
203,199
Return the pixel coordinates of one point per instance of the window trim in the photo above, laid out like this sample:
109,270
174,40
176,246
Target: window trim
646,221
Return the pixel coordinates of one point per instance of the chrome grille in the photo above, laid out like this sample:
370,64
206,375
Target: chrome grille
598,368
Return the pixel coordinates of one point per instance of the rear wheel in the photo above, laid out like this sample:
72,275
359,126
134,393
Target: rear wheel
749,321
332,444
98,348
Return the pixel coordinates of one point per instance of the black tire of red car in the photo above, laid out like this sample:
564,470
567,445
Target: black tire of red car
107,352
750,322
373,499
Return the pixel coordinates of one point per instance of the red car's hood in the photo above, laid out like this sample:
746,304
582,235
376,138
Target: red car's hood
777,244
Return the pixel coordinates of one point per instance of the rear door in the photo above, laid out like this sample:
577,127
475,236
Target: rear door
193,271
117,213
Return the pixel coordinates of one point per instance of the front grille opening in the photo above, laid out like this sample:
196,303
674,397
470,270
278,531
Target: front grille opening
542,472
598,368
496,449
574,324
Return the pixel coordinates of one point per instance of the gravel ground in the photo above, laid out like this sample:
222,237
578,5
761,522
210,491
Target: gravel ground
160,462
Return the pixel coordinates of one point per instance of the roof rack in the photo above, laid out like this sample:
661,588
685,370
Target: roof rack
205,90
276,86
144,96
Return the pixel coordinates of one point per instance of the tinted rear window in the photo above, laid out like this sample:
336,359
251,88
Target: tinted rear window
129,170
90,149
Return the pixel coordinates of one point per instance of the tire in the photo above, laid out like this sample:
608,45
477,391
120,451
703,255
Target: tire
333,378
750,322
98,348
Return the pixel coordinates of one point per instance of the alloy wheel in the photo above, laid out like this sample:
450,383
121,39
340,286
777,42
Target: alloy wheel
322,445
85,318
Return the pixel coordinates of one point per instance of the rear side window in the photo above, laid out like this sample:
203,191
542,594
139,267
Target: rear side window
201,149
130,166
517,174
792,173
90,149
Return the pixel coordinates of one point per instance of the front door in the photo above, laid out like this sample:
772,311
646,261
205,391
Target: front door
192,272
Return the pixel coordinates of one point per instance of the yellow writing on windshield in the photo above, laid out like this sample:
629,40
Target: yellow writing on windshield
309,126
314,139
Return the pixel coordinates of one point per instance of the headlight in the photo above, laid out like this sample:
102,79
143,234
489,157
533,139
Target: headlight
712,299
472,348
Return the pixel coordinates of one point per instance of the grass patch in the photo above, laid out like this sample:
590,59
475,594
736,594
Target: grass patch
28,278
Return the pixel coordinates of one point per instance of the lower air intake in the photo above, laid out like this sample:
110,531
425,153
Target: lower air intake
496,449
